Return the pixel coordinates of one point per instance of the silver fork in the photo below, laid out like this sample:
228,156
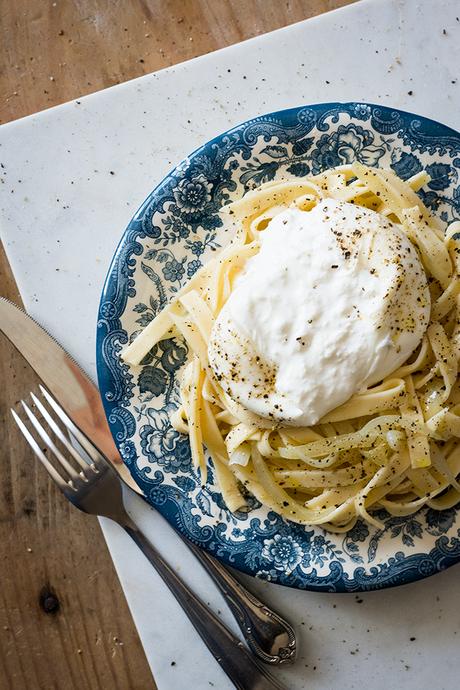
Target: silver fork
95,488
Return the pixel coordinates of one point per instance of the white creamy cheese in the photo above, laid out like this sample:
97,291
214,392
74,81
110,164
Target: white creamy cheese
335,300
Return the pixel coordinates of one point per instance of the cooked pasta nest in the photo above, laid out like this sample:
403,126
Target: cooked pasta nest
393,445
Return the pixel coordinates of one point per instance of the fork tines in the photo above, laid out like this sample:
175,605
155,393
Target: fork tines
66,434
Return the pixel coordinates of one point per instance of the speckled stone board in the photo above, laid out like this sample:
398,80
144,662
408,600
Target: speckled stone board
86,166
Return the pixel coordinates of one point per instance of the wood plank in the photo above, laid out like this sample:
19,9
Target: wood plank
64,621
56,50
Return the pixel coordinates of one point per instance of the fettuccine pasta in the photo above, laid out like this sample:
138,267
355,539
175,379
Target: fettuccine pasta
393,445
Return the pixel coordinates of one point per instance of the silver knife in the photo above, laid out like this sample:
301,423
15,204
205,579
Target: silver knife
64,378
269,636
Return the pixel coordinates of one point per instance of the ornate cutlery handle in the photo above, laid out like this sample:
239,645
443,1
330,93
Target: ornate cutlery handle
229,652
268,635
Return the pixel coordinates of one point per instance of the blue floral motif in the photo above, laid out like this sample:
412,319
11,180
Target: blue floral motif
307,117
317,550
197,248
158,496
306,560
173,270
193,195
440,522
175,228
108,310
456,198
164,245
283,551
359,532
127,451
440,174
407,165
193,267
426,567
187,484
163,445
361,111
430,199
299,169
348,144
264,172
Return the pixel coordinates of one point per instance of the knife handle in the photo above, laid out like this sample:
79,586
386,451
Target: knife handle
229,652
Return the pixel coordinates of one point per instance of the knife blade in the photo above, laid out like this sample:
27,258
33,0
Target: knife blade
65,380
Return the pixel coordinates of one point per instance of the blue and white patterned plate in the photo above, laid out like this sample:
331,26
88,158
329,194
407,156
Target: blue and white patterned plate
170,237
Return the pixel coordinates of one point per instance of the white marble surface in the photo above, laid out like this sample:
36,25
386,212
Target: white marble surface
63,212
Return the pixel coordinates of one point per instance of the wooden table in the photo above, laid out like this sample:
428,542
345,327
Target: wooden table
64,621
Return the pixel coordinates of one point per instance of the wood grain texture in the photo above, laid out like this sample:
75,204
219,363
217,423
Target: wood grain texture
64,621
56,50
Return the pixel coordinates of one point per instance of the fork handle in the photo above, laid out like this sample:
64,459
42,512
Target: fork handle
271,638
229,652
